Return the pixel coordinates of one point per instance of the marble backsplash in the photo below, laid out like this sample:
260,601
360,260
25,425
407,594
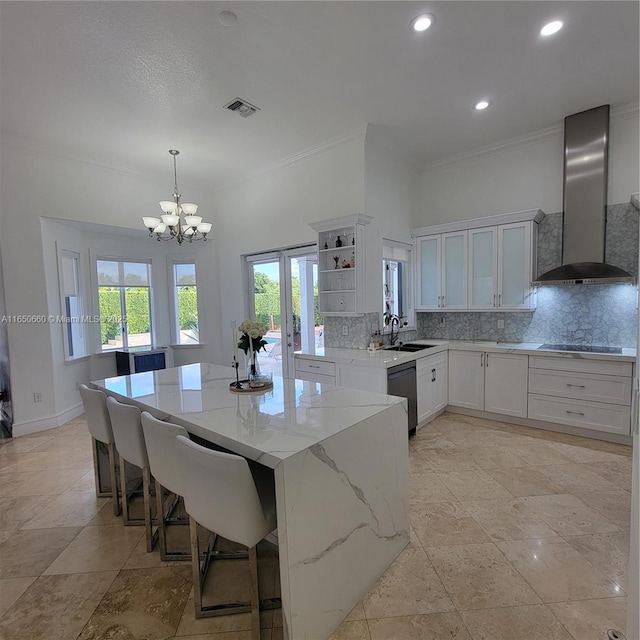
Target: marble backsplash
599,314
360,330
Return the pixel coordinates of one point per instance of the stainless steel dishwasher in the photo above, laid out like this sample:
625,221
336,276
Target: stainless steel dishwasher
401,381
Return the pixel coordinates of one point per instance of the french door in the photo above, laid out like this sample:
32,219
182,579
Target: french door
283,288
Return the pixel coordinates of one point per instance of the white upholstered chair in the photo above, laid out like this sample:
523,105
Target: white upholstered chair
220,494
130,444
99,424
159,439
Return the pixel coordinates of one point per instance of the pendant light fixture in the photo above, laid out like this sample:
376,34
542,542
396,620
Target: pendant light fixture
179,221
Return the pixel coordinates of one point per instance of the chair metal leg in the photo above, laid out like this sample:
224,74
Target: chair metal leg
164,516
152,537
114,483
255,597
200,573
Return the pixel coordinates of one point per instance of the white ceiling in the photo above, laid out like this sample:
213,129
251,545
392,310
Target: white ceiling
122,82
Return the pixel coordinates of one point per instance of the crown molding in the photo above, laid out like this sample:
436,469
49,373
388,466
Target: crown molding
27,145
301,156
623,112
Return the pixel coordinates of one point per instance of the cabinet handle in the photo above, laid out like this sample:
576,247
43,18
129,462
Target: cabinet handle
439,303
433,375
575,413
577,386
314,366
486,360
494,299
482,359
499,299
443,302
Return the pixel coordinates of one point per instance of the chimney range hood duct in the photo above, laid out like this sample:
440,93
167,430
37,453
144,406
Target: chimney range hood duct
586,157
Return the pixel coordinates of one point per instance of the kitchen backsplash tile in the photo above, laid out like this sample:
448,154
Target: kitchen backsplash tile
598,314
360,330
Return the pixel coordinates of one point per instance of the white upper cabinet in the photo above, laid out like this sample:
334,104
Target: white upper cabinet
442,271
344,257
483,262
516,266
484,267
428,252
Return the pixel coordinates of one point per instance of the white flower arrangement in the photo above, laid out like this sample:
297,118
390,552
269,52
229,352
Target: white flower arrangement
253,331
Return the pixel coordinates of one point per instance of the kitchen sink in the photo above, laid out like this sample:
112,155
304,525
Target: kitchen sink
410,347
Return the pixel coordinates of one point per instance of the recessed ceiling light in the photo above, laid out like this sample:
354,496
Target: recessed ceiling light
227,18
551,28
423,22
483,104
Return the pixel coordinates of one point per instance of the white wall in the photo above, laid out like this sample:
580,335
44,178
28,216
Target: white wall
36,184
523,177
273,210
392,188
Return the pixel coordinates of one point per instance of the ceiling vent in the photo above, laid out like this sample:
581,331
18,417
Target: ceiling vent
241,107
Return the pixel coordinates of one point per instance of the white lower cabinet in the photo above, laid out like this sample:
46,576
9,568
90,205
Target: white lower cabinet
590,394
431,381
314,370
495,382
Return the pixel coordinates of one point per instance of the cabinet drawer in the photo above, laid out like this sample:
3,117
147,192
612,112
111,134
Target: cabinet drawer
597,416
429,362
316,366
583,365
309,376
586,386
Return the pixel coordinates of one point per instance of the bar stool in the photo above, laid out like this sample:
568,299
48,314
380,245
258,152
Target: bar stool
159,437
99,424
220,494
130,444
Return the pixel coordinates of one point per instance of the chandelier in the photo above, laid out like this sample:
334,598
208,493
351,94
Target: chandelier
179,221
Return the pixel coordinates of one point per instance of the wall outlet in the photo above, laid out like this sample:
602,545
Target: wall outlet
442,321
500,324
37,397
345,329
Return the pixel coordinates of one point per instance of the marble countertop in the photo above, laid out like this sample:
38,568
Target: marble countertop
385,359
265,426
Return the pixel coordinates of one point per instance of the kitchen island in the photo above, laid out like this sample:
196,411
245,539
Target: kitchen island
340,464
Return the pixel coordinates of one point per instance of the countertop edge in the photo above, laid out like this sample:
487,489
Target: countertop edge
384,359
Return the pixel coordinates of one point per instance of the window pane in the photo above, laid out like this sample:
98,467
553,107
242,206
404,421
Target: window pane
107,272
136,273
187,307
185,273
110,314
138,316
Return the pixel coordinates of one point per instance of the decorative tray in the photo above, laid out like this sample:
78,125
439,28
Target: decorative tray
256,387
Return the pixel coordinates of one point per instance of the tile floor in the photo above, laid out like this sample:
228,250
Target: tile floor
517,534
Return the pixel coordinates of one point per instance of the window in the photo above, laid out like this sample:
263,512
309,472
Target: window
185,297
396,280
75,341
124,299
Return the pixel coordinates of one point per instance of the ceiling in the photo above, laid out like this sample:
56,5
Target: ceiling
122,82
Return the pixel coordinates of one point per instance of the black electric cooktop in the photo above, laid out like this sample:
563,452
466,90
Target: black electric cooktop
582,348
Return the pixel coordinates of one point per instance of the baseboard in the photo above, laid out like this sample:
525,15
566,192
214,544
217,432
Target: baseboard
50,422
539,424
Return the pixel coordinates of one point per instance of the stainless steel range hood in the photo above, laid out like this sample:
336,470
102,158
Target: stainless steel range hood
586,158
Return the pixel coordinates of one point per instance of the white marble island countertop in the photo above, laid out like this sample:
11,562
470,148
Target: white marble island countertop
340,468
267,427
384,358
